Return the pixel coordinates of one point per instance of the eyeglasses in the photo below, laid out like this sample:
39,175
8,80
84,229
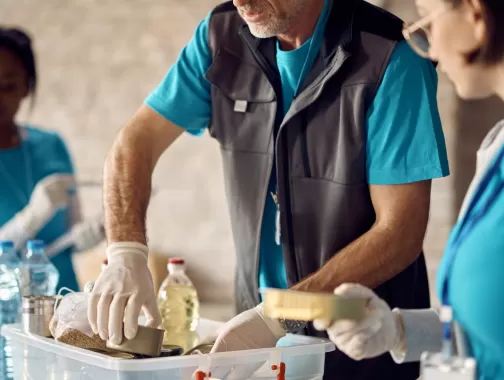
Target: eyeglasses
418,35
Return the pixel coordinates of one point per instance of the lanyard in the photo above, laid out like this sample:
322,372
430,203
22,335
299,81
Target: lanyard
307,66
471,219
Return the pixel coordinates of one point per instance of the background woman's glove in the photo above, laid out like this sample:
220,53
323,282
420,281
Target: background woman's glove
379,332
83,235
88,234
51,194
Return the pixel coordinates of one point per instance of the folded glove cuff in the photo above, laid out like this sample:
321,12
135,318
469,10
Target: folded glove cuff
274,325
398,352
119,250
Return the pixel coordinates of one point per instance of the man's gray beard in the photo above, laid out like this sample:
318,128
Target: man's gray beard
267,31
273,27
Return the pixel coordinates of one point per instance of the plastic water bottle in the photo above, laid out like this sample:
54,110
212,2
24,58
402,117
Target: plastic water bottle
179,307
40,274
10,301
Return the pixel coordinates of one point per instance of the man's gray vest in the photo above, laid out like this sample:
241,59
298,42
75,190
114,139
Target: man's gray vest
320,152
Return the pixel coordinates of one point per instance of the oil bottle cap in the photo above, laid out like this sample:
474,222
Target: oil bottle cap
175,264
176,261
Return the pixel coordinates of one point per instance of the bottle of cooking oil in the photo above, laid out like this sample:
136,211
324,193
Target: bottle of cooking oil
179,307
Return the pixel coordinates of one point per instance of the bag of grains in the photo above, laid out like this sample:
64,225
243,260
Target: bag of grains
70,323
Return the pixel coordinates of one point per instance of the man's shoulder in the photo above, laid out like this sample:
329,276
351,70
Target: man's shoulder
42,136
225,13
374,20
224,26
225,7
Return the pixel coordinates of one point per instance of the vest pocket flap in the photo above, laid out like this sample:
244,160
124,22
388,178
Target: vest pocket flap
239,80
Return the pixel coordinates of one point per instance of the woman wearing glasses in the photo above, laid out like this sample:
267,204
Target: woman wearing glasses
466,37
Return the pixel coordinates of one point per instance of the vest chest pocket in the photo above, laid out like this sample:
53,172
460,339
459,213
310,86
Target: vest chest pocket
243,104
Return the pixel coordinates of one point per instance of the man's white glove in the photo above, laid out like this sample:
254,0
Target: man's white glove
249,330
379,332
122,289
51,194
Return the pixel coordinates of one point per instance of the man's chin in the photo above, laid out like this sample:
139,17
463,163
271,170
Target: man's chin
260,31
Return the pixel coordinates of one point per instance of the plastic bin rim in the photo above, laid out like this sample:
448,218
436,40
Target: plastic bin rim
309,345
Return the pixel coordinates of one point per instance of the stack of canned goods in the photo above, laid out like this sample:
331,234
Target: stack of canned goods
37,314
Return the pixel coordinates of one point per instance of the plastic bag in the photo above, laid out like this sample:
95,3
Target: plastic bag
70,323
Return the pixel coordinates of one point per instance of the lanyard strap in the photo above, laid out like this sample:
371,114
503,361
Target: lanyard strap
471,218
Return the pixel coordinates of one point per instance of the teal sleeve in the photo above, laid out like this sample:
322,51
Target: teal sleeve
475,280
183,97
405,141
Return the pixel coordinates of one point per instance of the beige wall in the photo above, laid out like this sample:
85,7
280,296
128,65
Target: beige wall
97,62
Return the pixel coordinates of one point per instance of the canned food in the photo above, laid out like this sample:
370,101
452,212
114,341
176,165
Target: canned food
113,354
204,348
37,313
119,355
148,342
171,350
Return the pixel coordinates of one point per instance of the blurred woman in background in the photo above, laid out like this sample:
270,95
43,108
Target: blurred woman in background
466,37
38,197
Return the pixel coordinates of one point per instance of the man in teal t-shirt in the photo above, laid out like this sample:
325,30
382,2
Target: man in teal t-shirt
331,85
405,141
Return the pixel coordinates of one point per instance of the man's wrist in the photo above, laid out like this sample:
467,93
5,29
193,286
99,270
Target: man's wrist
118,251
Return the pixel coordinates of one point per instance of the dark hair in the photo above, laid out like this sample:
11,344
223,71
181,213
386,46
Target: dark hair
493,14
19,43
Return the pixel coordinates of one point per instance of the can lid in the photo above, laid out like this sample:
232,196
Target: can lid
176,260
6,244
35,244
120,355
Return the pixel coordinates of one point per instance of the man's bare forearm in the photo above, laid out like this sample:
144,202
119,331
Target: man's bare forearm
127,181
128,173
389,247
371,260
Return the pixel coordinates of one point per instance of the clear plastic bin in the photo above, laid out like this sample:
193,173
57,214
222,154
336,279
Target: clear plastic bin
38,358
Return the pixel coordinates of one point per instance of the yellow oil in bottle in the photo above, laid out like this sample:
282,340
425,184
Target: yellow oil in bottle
179,307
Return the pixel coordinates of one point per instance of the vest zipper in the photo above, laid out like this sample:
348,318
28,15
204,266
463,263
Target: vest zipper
273,78
304,147
287,192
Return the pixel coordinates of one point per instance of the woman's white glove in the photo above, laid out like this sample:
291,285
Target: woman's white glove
51,194
122,289
379,332
83,236
249,330
88,234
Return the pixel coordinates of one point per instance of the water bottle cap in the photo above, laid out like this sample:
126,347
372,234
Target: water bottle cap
35,244
6,244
